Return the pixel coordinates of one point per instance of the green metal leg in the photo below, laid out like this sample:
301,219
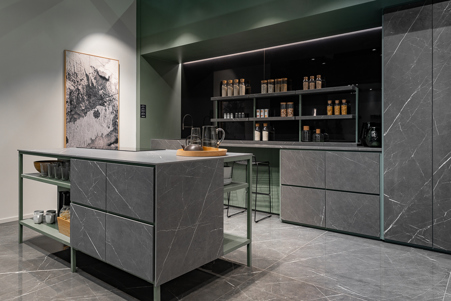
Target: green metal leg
20,197
156,293
73,260
249,212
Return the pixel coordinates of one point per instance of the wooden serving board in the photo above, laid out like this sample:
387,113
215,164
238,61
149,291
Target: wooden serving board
207,152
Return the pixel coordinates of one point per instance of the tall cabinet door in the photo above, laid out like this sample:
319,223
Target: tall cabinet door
442,125
407,60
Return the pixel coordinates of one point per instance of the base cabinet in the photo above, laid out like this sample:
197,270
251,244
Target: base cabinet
129,246
304,205
87,231
353,212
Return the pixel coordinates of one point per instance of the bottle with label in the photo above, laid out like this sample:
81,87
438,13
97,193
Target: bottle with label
236,87
242,87
265,132
312,83
344,107
305,83
330,109
318,137
224,88
230,88
306,134
283,109
270,86
337,107
264,87
257,133
319,82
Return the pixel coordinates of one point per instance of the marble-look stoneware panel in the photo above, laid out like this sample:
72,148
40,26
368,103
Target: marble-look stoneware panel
353,171
189,216
407,130
303,168
87,231
442,125
353,212
166,144
130,191
303,205
129,246
88,183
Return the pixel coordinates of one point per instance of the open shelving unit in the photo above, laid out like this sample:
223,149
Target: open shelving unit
300,118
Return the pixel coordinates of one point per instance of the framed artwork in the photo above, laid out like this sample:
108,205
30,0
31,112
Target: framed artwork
91,85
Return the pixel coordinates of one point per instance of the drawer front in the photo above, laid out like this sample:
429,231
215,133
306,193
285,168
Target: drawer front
130,191
303,168
129,246
87,231
353,171
303,205
88,183
353,212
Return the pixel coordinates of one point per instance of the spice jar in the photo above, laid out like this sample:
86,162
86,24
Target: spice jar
224,88
264,87
319,82
236,87
306,134
258,113
283,109
265,132
257,132
337,107
230,88
344,107
318,137
312,83
305,83
242,87
290,109
266,113
330,109
277,85
270,86
283,86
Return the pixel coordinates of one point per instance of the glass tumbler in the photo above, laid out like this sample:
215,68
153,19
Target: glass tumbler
51,170
44,169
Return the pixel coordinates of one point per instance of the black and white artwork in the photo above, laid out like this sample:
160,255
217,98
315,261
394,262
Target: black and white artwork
92,101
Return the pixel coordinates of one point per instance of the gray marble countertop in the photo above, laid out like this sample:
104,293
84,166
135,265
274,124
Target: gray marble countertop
174,143
156,157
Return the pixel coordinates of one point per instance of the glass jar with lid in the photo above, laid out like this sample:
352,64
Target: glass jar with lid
265,132
264,86
270,86
224,88
318,137
337,107
283,109
312,83
284,85
330,108
236,87
277,85
257,132
230,88
306,134
290,109
242,87
305,84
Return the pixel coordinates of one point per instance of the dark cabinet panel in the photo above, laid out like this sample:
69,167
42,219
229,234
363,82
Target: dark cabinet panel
87,231
353,171
407,44
129,246
353,212
303,168
303,205
88,183
442,125
130,191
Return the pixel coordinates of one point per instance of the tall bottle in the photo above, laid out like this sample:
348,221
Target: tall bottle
337,107
224,88
344,107
312,83
230,88
330,108
319,82
265,132
242,87
236,87
257,133
305,83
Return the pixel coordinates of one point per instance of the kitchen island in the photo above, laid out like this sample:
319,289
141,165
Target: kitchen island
152,213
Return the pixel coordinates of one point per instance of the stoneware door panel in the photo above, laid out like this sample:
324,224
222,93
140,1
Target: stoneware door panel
303,168
303,205
88,183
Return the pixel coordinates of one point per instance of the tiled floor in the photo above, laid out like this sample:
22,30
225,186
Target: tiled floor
290,263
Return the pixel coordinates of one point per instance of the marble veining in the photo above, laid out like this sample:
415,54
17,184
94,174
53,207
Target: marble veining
189,216
88,183
130,191
303,205
87,231
408,125
303,168
441,125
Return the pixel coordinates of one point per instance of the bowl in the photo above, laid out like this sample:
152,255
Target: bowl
37,164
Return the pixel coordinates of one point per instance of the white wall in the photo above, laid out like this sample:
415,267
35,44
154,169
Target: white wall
33,37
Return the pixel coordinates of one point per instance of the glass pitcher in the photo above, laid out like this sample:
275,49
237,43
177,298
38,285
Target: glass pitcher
210,136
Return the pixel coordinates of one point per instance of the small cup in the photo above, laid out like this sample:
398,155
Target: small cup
64,171
51,170
38,217
50,217
57,174
44,169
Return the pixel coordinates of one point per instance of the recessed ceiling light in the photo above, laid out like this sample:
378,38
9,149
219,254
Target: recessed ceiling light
324,63
374,49
313,59
371,89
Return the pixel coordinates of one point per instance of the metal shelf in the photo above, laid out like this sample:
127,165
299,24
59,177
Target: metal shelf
234,242
272,119
326,117
327,90
39,178
229,120
229,98
50,230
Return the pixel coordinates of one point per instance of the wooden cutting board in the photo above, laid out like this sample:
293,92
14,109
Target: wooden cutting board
207,152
